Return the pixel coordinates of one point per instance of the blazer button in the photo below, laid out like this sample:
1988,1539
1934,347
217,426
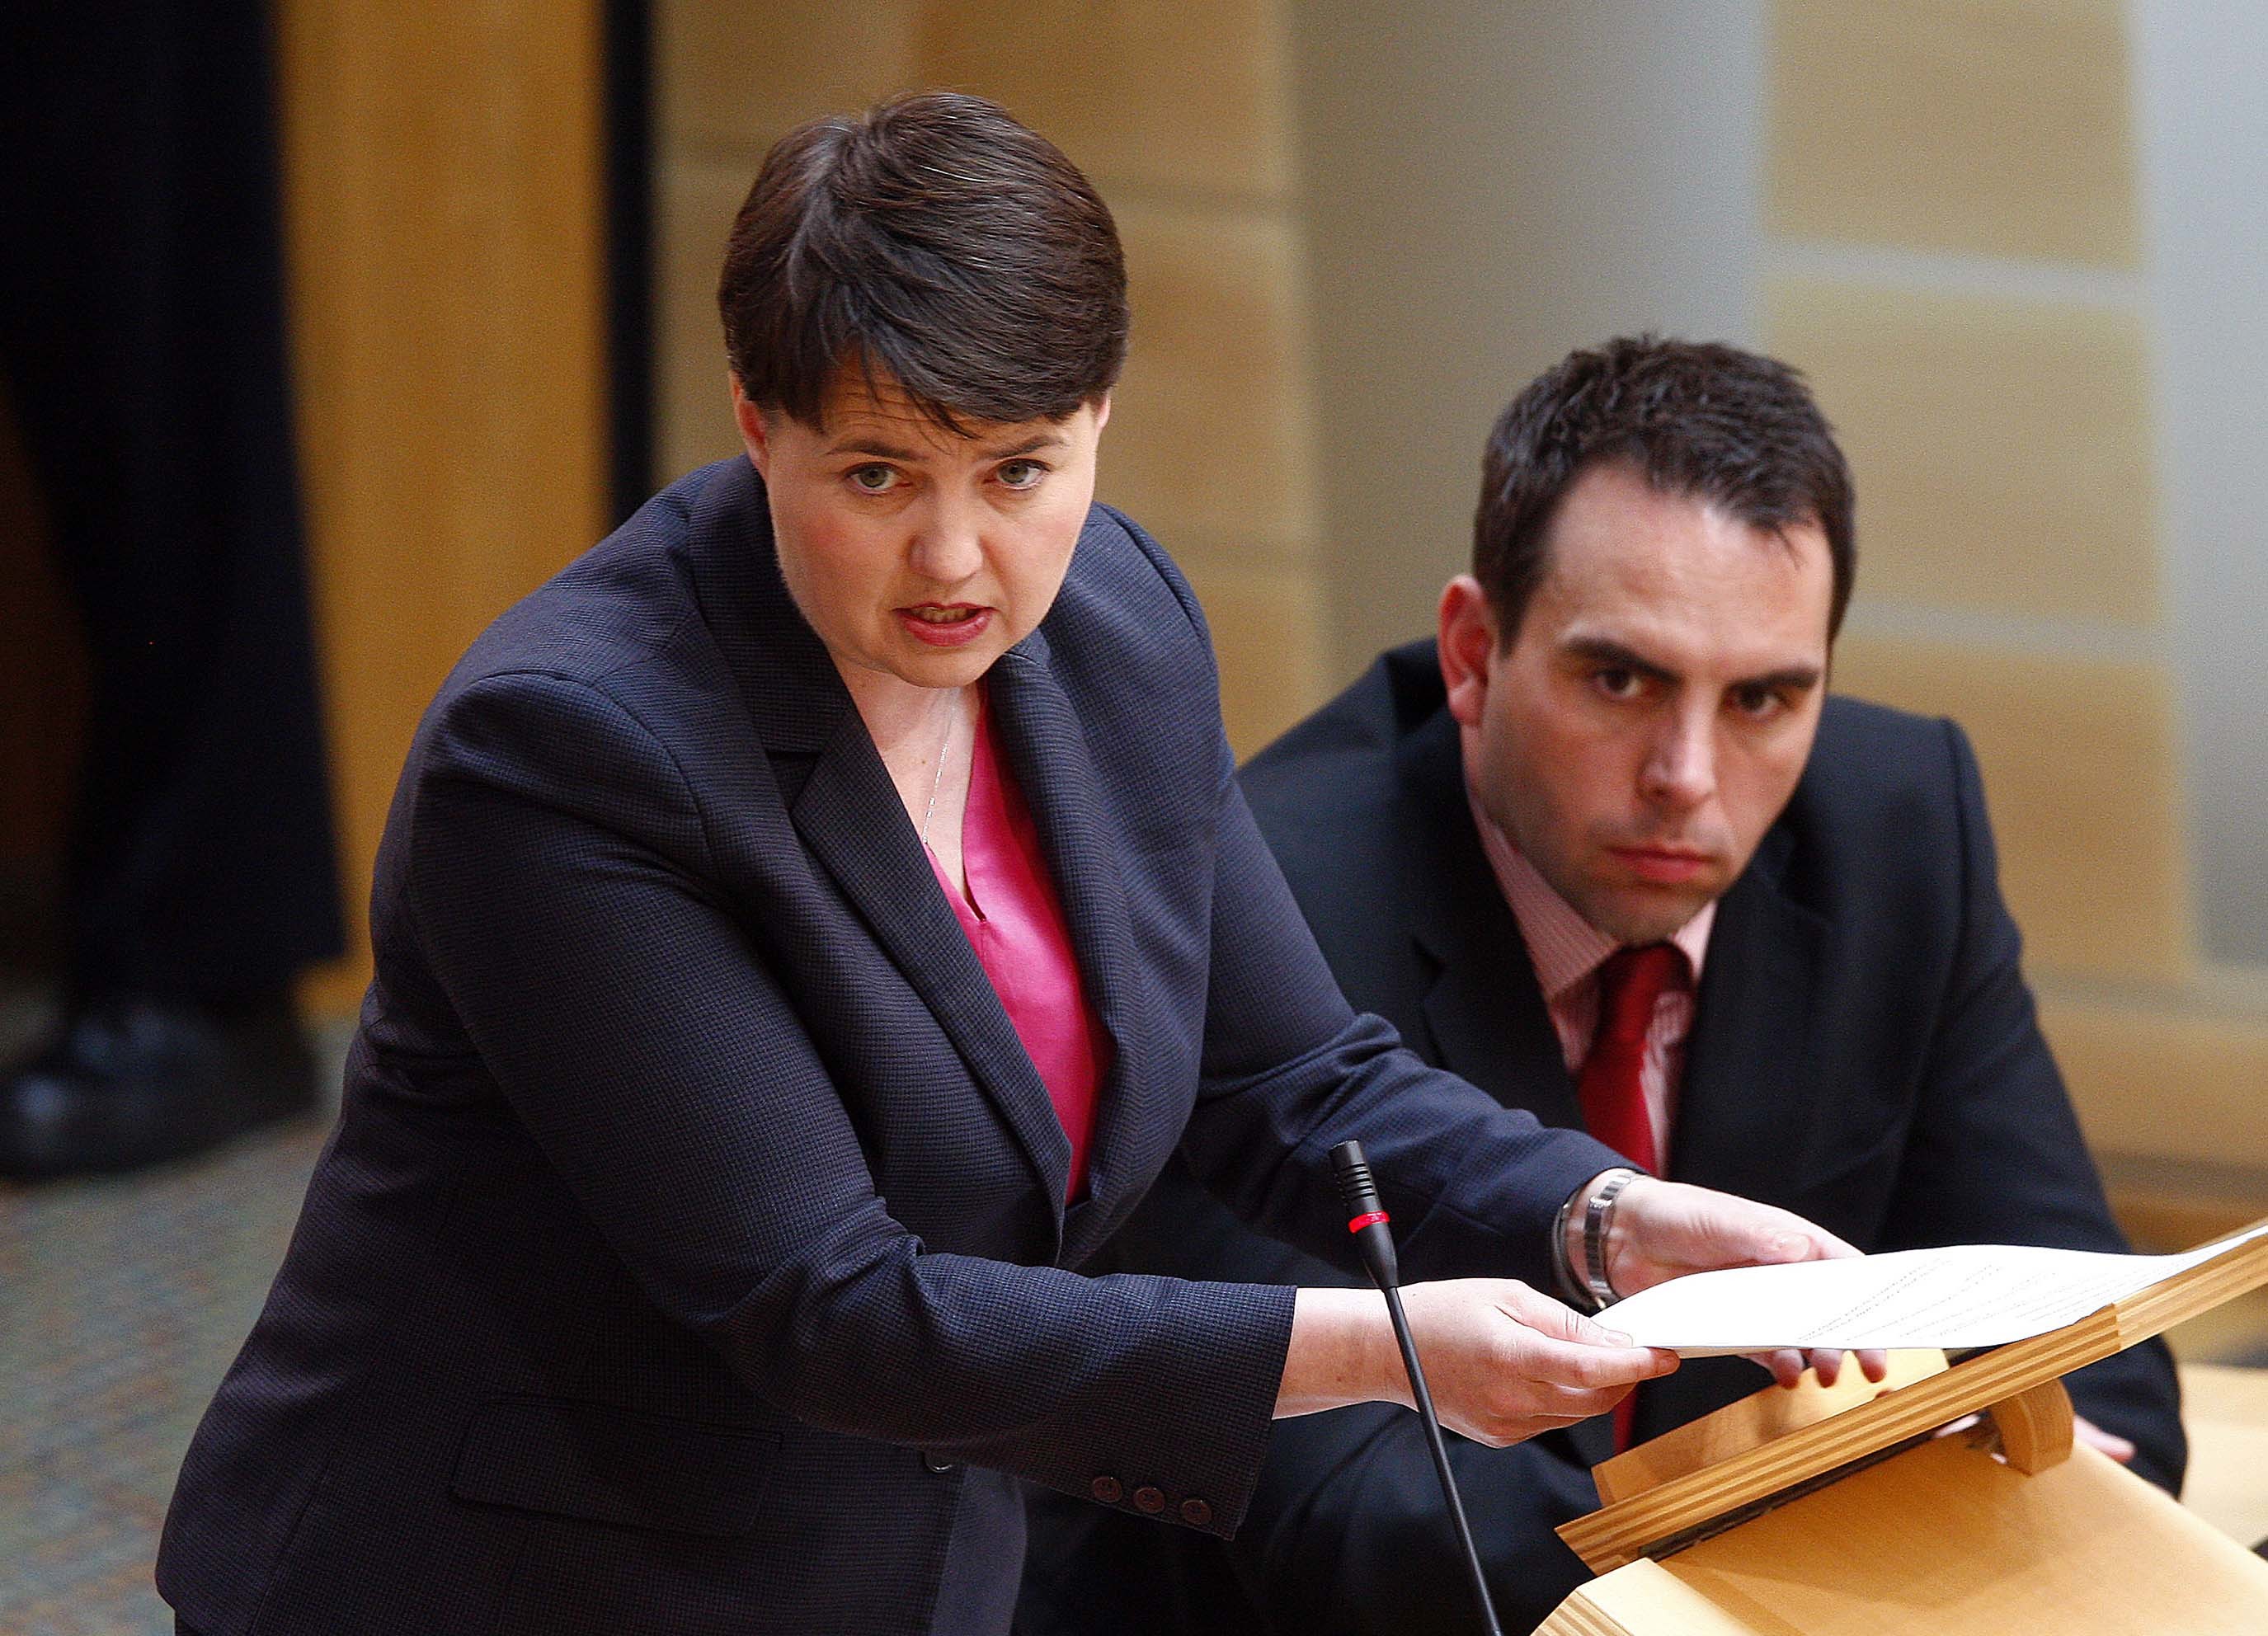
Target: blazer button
1196,1513
1108,1490
936,1464
1149,1499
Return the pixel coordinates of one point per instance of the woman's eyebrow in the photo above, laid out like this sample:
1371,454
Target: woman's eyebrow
875,446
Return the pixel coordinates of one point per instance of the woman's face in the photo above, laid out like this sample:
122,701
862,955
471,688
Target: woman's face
914,552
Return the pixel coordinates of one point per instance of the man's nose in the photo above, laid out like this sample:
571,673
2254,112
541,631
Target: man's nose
1682,769
948,540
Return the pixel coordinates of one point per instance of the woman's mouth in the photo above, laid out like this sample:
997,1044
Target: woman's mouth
943,625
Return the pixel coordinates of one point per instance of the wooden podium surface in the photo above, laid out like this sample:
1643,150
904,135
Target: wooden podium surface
1758,1521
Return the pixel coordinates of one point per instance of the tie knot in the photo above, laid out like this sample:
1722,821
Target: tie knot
1630,981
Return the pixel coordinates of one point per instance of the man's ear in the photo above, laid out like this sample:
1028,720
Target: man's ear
754,437
1101,413
1467,647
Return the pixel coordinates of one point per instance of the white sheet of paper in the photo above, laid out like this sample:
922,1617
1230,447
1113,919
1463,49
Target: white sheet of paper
1965,1296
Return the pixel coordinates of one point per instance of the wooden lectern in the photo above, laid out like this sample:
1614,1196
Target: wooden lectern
1828,1512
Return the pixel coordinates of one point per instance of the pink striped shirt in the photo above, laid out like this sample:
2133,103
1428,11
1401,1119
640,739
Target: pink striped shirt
1567,952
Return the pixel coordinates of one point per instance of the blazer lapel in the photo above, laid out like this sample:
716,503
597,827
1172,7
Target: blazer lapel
1749,1103
1038,728
848,811
1485,1009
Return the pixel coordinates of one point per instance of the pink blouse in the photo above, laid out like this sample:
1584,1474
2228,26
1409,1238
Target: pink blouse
1015,924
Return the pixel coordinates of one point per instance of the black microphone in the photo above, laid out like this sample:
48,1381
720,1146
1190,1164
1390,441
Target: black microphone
1366,1219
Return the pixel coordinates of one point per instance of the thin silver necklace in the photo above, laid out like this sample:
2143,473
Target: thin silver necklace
937,783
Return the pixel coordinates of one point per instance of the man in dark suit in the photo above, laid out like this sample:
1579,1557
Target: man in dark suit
1608,850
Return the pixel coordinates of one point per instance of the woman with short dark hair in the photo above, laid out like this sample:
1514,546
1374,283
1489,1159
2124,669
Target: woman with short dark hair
803,930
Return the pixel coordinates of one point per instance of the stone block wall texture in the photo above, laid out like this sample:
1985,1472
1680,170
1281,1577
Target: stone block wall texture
1951,245
1179,113
1953,250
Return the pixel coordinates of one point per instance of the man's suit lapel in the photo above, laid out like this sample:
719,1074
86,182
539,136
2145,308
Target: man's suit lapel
1749,1096
848,811
1485,1008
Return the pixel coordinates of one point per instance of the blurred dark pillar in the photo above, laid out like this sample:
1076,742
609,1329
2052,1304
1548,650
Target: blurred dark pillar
629,252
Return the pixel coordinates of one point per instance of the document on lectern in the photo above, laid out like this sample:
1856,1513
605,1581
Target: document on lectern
1956,1298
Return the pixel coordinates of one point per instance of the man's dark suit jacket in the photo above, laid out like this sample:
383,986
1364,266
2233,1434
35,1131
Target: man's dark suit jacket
1864,1052
691,1255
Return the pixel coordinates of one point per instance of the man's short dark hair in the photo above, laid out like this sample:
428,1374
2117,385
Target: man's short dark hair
933,241
1695,419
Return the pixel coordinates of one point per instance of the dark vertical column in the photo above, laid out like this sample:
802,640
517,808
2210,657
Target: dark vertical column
143,337
630,251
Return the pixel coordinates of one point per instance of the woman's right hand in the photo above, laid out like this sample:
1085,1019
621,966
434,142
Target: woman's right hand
1503,1361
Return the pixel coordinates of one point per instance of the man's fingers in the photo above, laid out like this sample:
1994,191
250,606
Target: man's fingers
1787,1364
2101,1442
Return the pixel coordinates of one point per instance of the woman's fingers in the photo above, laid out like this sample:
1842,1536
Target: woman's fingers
1504,1362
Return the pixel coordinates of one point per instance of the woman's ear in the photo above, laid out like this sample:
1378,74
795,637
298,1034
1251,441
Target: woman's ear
1467,646
754,436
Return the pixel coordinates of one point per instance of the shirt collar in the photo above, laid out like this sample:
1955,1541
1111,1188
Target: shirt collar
1565,948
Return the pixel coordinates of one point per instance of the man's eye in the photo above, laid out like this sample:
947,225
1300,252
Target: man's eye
873,479
1758,704
1022,474
1617,684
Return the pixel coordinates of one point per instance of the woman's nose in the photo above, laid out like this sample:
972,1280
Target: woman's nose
948,540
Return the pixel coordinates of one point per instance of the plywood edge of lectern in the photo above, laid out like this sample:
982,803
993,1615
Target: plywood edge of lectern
2198,1290
1651,1508
1773,1413
1623,1531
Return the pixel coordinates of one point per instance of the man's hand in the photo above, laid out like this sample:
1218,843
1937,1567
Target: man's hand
1662,1230
1502,1361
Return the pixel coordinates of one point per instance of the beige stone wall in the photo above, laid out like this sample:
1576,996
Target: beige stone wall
1178,112
1948,236
1953,250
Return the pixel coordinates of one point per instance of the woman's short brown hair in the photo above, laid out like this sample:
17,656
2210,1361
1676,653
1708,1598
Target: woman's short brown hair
933,241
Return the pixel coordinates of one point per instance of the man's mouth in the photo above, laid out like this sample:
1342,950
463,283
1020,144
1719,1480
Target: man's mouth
1664,866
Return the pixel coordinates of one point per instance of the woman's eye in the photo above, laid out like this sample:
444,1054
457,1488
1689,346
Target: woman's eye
873,479
1022,474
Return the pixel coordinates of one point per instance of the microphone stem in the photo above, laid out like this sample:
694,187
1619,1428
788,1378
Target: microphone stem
1432,1422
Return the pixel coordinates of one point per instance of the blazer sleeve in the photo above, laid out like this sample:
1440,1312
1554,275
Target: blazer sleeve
1345,1532
560,886
1996,1155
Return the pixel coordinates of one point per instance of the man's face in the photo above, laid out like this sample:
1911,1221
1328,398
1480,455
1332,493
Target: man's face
1656,705
915,552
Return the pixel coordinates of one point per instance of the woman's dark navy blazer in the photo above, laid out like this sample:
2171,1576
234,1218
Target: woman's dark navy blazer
691,1255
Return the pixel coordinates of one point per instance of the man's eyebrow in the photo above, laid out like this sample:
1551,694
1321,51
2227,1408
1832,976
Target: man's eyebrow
1797,677
1602,650
1037,440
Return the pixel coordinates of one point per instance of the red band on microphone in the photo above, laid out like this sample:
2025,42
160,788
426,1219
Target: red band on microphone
1372,1220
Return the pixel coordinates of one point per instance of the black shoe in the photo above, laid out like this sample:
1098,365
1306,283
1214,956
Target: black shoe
131,1082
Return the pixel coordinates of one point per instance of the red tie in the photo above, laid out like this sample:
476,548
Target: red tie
1612,1088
